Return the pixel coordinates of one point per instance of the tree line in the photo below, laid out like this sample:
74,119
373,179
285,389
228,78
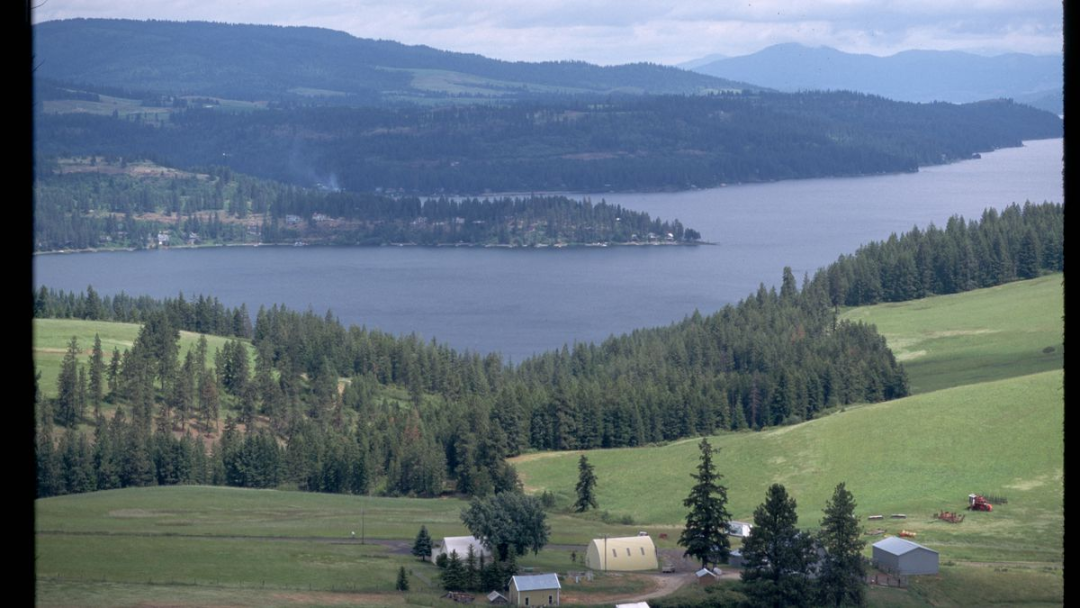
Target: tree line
1018,242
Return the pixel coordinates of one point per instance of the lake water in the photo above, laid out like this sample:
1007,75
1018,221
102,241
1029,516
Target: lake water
520,302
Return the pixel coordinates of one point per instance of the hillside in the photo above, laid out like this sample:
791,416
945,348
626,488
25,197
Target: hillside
262,62
640,143
916,75
1000,332
916,455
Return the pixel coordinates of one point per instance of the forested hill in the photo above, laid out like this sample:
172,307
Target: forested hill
650,143
263,62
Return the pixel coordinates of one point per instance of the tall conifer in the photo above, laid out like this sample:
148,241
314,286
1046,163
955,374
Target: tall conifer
705,535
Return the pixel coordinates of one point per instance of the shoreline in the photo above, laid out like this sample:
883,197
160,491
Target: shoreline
599,245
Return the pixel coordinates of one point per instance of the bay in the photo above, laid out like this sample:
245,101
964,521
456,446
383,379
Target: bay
520,302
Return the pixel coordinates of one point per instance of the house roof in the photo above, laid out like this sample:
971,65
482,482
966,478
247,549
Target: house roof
898,546
705,572
461,545
625,541
534,582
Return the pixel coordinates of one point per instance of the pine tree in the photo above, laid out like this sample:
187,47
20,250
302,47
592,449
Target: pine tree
422,547
586,486
97,374
453,576
705,535
843,570
402,580
777,556
67,386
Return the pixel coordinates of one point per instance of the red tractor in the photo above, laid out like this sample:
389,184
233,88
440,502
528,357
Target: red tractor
977,503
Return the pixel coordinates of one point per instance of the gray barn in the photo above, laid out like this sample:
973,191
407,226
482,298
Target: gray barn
898,556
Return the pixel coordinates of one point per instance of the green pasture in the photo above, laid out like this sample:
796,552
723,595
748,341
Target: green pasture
988,334
223,511
912,456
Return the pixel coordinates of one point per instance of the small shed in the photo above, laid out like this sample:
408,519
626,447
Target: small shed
735,558
535,590
461,545
898,556
707,577
739,529
627,554
497,598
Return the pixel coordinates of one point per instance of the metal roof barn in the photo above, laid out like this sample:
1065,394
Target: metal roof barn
535,590
899,556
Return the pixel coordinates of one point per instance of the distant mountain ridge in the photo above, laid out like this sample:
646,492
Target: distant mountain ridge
917,75
263,62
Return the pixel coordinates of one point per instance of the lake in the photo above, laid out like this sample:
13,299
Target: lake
519,302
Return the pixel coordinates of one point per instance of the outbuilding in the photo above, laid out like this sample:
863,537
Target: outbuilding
898,556
627,554
461,545
739,529
535,590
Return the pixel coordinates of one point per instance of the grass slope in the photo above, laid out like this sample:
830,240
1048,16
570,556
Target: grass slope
989,334
915,456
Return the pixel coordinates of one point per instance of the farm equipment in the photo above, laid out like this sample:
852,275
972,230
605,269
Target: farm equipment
949,516
976,502
907,534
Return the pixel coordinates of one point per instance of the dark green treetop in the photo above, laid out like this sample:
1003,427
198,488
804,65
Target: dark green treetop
705,534
586,486
843,569
777,556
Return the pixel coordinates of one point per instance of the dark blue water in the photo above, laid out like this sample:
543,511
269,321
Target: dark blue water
519,302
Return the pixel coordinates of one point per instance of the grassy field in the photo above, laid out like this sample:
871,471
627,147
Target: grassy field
914,456
145,542
990,334
52,336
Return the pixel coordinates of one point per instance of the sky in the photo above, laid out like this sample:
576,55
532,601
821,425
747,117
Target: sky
611,32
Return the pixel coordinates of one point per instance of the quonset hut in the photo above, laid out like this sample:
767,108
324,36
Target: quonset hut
629,553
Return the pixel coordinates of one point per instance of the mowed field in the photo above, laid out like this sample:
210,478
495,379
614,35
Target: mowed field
986,428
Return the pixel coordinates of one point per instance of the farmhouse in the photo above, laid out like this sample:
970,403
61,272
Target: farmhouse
535,590
898,556
627,554
460,544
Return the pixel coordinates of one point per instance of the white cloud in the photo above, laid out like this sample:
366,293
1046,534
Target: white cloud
620,31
